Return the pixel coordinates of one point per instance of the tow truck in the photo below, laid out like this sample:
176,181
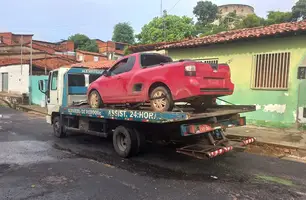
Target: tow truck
200,134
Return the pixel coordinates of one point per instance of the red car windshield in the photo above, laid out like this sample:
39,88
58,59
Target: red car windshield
150,60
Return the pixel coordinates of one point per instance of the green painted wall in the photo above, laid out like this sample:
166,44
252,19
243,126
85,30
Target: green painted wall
274,108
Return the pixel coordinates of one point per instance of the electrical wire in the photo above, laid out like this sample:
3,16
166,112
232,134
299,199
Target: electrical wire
174,5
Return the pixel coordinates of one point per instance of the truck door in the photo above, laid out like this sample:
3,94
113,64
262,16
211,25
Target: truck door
52,95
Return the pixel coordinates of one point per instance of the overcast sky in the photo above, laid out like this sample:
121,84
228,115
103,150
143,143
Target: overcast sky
53,20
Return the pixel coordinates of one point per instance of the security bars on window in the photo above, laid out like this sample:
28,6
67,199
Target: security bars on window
271,71
209,61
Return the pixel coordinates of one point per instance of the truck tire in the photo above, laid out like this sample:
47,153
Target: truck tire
125,142
95,100
57,128
163,104
141,139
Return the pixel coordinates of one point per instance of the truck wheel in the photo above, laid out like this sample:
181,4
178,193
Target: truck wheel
95,100
57,129
165,103
141,139
125,142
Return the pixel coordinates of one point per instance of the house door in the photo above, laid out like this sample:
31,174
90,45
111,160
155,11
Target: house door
4,79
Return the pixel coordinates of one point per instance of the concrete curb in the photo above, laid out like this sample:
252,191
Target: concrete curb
27,109
268,143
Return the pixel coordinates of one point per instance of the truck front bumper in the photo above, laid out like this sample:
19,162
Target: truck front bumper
48,119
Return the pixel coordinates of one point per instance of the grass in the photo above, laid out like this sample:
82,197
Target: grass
275,180
262,123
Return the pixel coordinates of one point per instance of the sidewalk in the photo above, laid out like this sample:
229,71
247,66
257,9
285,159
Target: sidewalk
289,138
33,108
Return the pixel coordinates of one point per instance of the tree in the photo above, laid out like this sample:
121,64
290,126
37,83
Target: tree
83,42
167,28
251,21
206,12
123,32
211,29
299,10
126,50
277,17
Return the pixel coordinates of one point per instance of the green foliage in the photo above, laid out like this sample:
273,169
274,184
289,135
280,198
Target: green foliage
211,29
166,28
206,12
126,50
123,32
231,21
228,22
299,10
252,21
83,42
277,17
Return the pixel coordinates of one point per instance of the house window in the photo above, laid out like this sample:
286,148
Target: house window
209,61
271,71
96,58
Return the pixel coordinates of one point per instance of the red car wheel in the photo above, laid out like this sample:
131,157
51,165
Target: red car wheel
95,100
161,100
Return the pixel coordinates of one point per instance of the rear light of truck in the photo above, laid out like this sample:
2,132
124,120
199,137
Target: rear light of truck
190,70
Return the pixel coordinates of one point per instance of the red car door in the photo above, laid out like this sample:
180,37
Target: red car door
118,79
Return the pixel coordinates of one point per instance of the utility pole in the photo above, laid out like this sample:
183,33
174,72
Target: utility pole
162,15
161,8
31,71
31,54
21,43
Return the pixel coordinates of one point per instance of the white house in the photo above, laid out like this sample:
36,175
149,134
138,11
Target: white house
14,78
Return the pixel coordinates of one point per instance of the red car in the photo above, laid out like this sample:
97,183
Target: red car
154,78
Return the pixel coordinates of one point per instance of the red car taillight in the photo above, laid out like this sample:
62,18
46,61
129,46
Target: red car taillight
190,70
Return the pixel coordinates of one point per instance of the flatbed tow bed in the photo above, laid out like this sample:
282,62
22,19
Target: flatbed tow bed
211,122
199,134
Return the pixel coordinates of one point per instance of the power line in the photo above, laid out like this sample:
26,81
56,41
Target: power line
174,5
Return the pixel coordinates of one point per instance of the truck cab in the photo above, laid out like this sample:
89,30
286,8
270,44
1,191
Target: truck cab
66,87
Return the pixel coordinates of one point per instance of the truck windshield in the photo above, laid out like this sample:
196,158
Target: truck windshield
93,77
76,80
151,60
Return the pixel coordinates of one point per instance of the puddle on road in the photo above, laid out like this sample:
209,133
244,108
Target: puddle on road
143,168
24,152
5,116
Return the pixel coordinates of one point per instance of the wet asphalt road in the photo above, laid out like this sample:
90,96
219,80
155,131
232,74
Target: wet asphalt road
35,165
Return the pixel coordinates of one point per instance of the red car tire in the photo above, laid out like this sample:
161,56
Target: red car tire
161,104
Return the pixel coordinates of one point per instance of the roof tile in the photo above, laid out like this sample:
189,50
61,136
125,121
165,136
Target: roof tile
239,35
105,64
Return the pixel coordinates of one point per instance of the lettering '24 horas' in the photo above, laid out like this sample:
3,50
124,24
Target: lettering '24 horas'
132,114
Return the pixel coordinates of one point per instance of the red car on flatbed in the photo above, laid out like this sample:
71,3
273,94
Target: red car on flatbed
155,78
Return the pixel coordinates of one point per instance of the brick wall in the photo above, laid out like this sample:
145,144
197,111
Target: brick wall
88,58
11,39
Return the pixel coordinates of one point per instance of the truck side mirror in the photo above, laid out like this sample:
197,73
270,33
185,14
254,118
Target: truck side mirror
106,73
41,84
